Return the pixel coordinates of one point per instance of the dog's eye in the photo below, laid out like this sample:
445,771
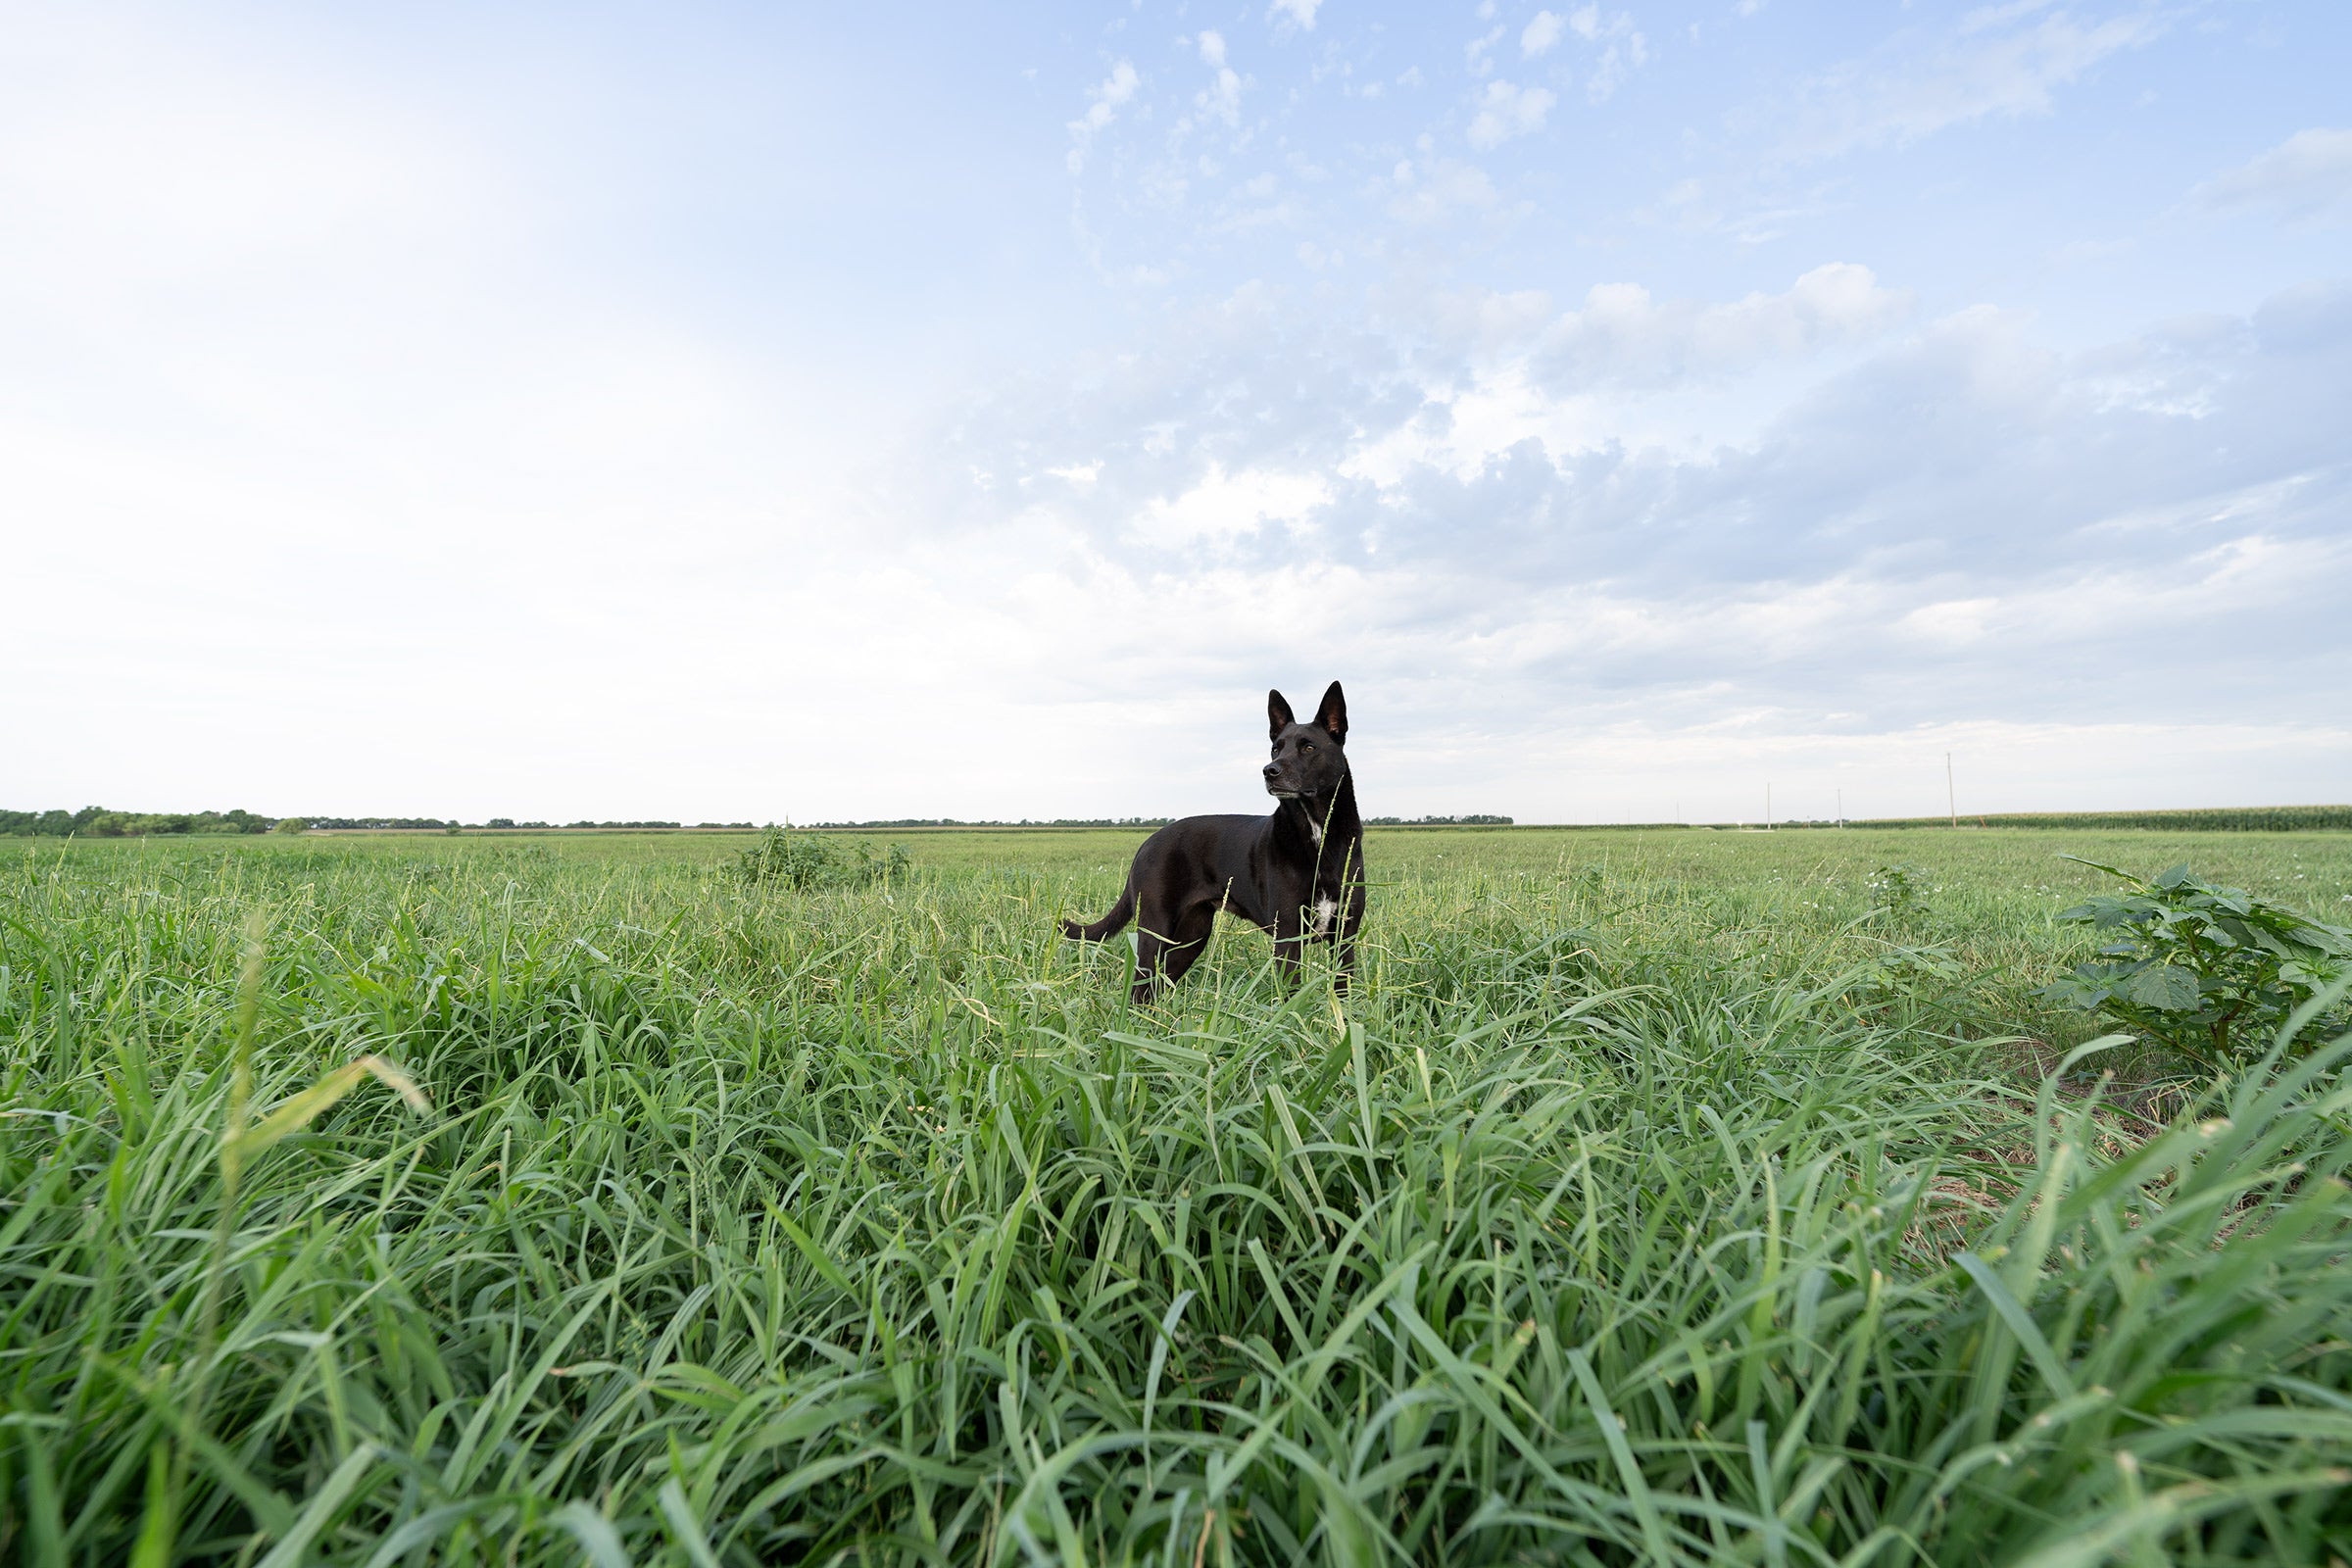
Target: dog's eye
1306,746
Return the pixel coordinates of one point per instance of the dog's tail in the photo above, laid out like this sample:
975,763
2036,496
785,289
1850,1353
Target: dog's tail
1120,913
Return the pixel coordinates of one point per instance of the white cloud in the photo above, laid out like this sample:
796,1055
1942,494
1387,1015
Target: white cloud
1223,505
1617,62
2308,176
1297,13
1438,188
1478,52
1912,531
1624,334
1917,85
1505,111
1540,35
1623,49
1105,101
1221,99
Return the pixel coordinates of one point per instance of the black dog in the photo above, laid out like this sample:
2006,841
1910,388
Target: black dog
1296,875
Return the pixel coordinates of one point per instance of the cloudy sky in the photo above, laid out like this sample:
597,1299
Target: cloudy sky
709,411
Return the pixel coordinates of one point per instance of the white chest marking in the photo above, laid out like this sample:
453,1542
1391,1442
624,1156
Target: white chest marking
1314,834
1325,908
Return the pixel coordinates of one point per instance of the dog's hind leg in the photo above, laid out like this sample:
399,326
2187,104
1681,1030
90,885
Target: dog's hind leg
1162,958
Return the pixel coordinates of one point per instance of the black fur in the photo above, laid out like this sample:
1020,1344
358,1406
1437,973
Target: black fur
1297,876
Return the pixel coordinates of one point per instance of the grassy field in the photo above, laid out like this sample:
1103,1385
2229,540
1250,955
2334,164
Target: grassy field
1652,1199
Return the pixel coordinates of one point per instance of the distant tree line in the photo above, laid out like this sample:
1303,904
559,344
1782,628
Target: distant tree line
956,821
496,824
98,822
1474,819
499,822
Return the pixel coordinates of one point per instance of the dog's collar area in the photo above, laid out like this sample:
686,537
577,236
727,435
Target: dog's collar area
1310,816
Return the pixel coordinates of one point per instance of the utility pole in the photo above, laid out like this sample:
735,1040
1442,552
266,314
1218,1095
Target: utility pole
1952,800
1767,808
1842,806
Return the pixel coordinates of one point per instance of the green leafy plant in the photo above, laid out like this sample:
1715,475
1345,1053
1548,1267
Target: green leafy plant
1895,894
794,857
2197,967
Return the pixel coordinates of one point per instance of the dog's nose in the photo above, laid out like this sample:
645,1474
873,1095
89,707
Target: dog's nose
1271,770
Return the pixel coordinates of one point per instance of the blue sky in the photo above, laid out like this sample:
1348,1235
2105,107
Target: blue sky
709,411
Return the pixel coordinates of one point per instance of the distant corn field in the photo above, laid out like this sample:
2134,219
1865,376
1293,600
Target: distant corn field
2217,819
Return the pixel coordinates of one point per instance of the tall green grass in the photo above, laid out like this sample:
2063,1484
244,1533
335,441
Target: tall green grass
1640,1206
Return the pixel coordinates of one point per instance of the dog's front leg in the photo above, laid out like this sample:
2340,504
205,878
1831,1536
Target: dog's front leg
1290,943
1343,937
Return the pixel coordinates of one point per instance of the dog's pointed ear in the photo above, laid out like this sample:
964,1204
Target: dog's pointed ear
1278,715
1333,715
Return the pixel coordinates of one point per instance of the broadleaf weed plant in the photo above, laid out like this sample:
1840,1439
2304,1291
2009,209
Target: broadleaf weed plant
797,858
2201,968
1897,894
